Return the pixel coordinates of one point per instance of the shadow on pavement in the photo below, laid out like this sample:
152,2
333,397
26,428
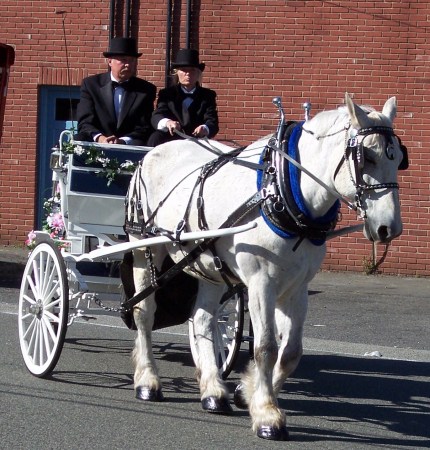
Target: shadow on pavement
391,394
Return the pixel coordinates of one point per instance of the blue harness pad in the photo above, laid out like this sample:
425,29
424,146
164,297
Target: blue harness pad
294,179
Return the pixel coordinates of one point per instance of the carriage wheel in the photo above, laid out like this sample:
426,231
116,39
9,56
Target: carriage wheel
228,333
43,309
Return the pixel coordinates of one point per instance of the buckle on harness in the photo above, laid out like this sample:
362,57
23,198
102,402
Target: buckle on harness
217,263
267,191
353,141
181,226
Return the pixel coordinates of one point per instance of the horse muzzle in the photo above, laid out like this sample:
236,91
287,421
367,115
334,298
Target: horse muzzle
382,233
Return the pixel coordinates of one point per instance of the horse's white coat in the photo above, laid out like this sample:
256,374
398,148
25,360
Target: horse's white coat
276,277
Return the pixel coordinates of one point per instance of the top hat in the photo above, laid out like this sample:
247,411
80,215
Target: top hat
122,46
188,57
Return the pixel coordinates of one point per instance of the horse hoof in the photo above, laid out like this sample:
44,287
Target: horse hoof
273,433
239,397
216,405
149,395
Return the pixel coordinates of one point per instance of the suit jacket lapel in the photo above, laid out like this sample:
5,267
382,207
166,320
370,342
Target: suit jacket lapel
107,94
185,114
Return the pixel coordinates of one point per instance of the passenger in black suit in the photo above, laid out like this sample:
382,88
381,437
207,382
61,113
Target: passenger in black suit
186,106
116,107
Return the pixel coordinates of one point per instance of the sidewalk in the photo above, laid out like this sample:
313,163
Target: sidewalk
14,258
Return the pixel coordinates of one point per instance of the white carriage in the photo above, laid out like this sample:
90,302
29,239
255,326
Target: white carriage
78,277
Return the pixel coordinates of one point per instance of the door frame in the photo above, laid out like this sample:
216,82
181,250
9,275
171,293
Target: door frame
49,130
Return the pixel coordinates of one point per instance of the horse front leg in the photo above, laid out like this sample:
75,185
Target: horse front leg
147,383
214,394
290,319
256,389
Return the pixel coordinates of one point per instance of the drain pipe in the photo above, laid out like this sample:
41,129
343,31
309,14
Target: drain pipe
111,19
168,43
127,19
188,25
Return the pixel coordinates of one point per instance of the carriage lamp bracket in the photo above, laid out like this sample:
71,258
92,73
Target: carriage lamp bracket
56,160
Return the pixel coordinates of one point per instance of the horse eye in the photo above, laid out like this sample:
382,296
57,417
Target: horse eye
390,152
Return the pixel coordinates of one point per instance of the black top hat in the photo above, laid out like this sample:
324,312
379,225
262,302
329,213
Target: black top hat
122,46
188,57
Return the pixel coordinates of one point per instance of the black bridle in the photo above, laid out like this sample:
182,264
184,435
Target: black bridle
354,148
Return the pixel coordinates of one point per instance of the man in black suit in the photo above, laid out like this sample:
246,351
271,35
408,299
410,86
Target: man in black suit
115,107
186,106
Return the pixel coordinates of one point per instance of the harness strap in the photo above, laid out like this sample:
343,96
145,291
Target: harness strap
275,147
233,219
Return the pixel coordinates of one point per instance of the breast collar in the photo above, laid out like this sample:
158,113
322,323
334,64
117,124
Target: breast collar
285,211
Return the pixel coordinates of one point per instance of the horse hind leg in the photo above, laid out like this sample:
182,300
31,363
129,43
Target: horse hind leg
147,383
214,394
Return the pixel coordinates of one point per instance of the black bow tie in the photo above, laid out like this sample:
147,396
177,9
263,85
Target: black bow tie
115,84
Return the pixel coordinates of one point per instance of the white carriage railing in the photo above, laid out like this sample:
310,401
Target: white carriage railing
91,207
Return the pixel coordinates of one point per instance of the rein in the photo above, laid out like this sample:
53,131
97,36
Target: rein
275,146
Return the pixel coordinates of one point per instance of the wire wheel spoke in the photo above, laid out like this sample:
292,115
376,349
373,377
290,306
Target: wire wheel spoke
227,333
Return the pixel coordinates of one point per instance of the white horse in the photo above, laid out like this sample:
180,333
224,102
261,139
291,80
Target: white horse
351,154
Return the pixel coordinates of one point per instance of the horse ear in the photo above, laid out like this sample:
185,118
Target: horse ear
357,115
390,108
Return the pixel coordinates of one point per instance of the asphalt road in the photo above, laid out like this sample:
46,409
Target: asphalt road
337,399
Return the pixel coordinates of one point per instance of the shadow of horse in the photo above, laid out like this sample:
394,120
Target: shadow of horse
349,392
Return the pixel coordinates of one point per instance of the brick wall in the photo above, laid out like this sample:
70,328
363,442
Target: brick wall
254,50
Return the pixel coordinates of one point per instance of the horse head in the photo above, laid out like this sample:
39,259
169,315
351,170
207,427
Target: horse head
367,174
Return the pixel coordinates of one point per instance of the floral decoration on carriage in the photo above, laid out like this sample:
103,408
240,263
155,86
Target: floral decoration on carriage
109,168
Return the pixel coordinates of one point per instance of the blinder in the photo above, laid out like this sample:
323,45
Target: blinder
358,154
404,163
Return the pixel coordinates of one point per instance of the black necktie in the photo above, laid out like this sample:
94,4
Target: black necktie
116,96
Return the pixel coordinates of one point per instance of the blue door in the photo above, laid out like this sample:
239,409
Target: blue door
57,113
